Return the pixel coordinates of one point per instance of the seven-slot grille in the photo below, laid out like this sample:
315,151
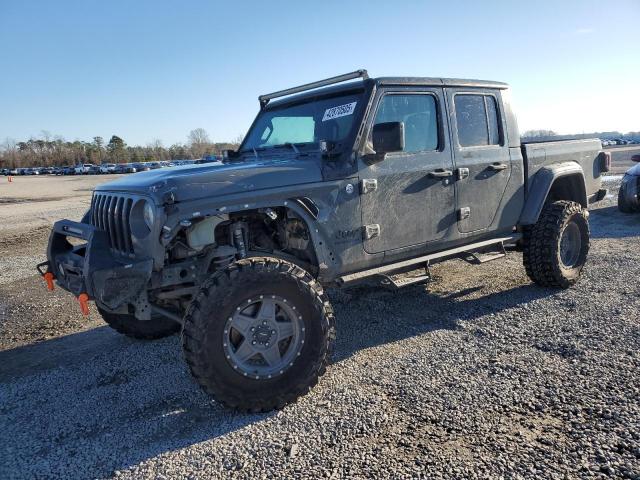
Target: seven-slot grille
111,213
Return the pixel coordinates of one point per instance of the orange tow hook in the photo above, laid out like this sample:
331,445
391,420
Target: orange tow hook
83,299
49,278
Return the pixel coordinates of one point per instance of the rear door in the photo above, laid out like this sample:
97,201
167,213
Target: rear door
481,156
410,194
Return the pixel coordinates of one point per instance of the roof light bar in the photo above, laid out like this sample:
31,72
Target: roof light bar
264,99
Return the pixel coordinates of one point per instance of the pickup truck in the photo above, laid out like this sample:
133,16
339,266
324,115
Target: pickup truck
108,168
83,169
336,181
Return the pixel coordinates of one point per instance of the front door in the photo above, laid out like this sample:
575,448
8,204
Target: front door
408,198
483,163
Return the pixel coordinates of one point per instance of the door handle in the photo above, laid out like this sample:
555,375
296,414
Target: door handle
498,166
440,173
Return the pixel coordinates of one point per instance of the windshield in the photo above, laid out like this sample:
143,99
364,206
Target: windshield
306,123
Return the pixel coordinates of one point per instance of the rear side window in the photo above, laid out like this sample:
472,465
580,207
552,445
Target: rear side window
477,120
419,114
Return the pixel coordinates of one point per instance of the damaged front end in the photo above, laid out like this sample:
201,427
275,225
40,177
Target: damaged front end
81,261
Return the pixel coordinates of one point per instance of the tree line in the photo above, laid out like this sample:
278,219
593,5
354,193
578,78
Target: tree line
551,135
48,151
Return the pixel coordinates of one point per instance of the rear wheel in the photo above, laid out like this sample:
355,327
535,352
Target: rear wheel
259,334
157,327
555,248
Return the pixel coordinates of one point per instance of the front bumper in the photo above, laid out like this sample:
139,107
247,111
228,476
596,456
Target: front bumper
630,190
92,268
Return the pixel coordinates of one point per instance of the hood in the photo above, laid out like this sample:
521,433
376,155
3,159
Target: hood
635,170
191,182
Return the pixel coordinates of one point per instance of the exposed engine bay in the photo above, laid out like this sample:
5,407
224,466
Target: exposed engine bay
204,246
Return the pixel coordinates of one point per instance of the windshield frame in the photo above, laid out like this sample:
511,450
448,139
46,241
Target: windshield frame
358,90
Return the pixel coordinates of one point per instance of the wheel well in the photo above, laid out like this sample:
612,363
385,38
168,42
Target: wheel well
277,231
570,187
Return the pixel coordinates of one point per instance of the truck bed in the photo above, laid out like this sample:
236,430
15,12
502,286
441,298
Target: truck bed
586,152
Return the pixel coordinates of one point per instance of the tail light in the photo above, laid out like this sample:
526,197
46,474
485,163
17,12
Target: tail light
605,161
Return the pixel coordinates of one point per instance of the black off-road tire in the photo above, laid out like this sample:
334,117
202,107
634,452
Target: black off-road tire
157,327
623,205
219,298
541,245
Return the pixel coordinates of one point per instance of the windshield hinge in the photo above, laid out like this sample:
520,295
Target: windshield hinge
368,185
371,231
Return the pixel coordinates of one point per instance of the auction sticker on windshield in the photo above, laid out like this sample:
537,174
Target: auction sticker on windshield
339,111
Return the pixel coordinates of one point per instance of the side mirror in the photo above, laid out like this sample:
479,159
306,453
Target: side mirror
635,158
386,138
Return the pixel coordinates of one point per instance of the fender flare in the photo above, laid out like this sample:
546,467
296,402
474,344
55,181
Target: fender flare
541,185
321,244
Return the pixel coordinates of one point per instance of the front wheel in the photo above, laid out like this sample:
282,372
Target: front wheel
157,327
259,334
555,248
623,205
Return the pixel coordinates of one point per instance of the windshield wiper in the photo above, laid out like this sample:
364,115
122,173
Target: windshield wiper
292,145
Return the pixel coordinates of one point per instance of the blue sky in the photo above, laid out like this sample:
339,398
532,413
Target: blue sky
148,70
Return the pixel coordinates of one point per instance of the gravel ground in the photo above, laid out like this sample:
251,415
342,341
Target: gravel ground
479,375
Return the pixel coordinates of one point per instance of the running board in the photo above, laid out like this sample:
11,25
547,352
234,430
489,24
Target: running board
487,255
453,252
399,280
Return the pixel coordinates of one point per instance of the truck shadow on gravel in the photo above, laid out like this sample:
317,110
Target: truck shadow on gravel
609,222
369,316
103,403
87,393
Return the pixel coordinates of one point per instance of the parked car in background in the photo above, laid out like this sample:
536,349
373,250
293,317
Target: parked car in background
154,165
142,167
83,169
628,195
108,168
94,170
209,159
14,171
68,170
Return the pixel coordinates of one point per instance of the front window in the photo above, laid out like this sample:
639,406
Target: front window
418,113
306,123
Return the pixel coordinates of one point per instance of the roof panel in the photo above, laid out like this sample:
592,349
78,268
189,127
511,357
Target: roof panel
446,82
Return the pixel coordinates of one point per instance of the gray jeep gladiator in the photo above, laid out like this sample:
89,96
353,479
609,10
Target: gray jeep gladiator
336,181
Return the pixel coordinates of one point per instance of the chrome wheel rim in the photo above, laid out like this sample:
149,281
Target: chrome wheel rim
570,245
263,337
